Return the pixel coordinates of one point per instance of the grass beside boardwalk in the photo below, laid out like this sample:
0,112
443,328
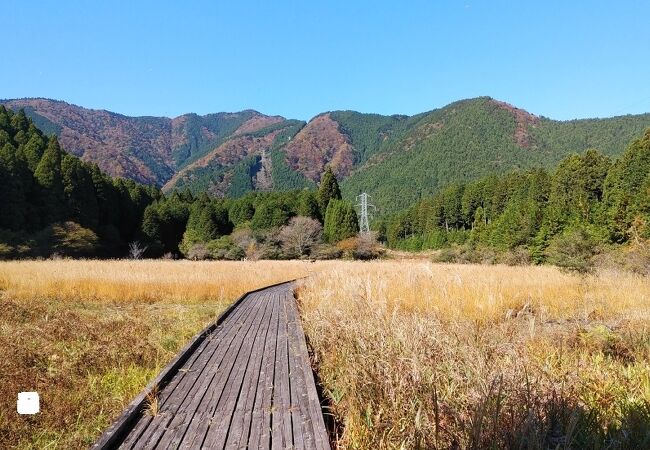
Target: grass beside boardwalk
89,335
419,355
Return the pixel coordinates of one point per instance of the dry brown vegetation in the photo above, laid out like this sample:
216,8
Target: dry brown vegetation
89,335
410,354
318,144
419,355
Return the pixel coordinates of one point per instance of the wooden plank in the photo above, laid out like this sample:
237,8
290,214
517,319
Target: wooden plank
303,432
245,382
175,413
186,426
230,415
220,411
116,432
260,433
281,432
240,425
184,379
321,439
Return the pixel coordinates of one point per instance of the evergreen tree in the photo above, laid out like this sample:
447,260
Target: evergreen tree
207,221
5,119
52,204
308,205
79,192
623,190
164,223
328,190
20,122
241,210
33,150
340,221
478,225
107,198
13,201
270,213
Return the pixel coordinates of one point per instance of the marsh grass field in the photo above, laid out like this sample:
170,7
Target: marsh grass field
410,354
89,335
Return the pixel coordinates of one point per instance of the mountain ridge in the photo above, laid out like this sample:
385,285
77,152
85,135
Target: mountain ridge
398,158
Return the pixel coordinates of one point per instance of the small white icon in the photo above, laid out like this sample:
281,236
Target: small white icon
28,403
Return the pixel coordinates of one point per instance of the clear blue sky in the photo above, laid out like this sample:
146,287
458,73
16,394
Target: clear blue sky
561,59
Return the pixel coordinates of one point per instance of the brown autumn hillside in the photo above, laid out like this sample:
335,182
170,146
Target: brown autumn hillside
140,148
397,159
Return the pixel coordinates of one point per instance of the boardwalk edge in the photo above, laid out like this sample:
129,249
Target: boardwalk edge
115,433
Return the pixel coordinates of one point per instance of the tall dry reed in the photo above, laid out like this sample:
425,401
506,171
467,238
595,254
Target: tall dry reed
417,355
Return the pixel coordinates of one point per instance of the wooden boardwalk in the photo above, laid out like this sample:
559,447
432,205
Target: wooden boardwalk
243,383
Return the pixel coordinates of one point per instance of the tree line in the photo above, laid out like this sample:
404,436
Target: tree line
257,225
588,201
52,202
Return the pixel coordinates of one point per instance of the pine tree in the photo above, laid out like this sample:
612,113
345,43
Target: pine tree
13,201
340,221
308,205
5,118
207,221
50,184
79,192
270,213
241,210
624,183
164,223
20,122
328,190
33,150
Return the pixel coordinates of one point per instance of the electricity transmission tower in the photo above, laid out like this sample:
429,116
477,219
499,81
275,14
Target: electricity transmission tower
364,223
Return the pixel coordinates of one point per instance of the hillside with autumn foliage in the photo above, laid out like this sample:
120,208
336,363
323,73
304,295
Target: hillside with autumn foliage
398,159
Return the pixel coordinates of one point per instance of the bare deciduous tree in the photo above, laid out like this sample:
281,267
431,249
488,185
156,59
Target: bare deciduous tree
136,250
300,235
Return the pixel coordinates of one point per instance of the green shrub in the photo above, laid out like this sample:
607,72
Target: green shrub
67,239
573,250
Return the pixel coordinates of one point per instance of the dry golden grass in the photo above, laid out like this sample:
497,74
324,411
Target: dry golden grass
411,354
418,355
89,335
142,281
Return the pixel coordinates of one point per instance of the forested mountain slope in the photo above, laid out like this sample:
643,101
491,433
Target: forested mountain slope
567,216
146,149
54,203
397,159
471,139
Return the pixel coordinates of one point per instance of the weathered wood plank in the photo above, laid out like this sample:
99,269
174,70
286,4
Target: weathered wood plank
321,439
189,425
243,383
174,414
300,415
260,435
240,424
116,432
181,384
281,431
229,415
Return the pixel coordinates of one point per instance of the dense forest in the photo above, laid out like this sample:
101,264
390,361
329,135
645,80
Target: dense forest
564,217
403,159
54,203
398,159
269,225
